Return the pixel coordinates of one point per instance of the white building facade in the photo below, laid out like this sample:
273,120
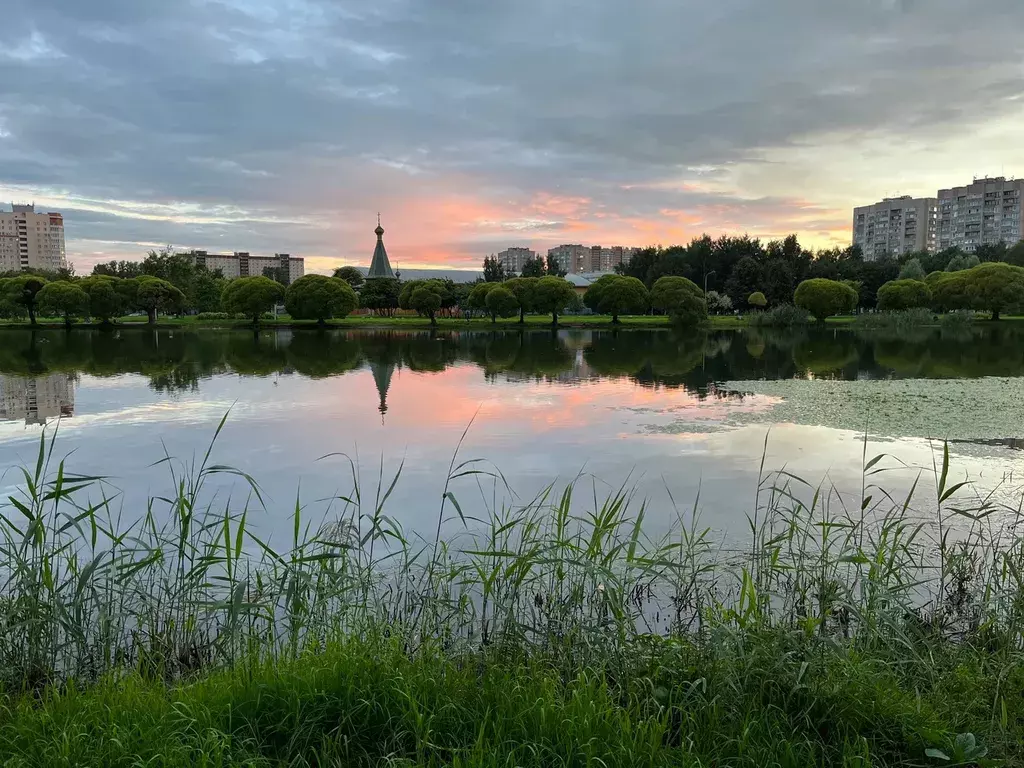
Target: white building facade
985,212
243,264
895,226
30,240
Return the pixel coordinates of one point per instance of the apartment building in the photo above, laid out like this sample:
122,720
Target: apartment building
895,226
578,259
30,240
985,212
513,259
572,259
243,264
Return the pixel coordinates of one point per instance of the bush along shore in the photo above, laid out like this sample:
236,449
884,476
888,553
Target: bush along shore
874,631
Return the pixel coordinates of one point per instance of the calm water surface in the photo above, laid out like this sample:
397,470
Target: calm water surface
670,415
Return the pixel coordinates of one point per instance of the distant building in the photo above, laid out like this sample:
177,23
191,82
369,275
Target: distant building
570,258
513,259
380,266
895,226
985,212
30,240
243,264
36,399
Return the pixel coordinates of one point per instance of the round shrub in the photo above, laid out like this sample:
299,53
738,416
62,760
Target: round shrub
824,298
899,295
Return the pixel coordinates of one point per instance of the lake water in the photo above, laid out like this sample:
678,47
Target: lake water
668,415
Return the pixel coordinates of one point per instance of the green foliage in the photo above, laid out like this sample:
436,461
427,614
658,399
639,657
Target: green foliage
351,275
335,649
63,299
899,295
204,291
680,299
524,289
782,316
424,296
757,300
380,294
320,298
950,291
824,298
912,270
494,271
252,296
995,286
718,303
617,295
122,269
105,301
21,291
534,268
552,294
153,296
500,302
477,298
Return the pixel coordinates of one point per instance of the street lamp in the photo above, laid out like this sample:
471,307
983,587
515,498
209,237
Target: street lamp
706,276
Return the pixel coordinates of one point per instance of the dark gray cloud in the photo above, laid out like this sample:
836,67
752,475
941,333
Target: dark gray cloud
282,124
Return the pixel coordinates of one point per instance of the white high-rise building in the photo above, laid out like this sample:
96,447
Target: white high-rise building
30,240
895,226
513,259
37,399
985,212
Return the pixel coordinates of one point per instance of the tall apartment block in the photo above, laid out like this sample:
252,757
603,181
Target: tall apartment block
895,226
570,258
513,259
986,212
596,258
30,240
243,264
37,399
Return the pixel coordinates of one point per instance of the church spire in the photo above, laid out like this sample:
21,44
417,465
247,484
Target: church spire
379,264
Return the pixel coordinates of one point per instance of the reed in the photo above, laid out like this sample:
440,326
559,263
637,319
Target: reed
877,630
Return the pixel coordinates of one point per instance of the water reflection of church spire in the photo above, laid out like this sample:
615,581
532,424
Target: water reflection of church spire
382,372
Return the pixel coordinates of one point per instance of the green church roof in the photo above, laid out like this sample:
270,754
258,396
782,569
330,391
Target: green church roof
379,265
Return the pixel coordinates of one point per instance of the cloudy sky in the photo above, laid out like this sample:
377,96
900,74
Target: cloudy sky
472,125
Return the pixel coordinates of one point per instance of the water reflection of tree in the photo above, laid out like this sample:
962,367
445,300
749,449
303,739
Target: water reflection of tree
176,361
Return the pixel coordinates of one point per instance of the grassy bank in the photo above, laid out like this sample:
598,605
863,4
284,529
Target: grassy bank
862,631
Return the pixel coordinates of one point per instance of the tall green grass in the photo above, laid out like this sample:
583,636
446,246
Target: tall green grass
861,631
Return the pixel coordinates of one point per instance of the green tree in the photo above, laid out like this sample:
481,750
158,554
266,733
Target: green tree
424,296
478,296
617,295
747,278
681,299
718,302
899,295
320,298
494,271
950,291
380,294
996,287
252,296
824,298
154,295
63,299
955,264
524,289
23,290
350,275
553,267
205,291
500,302
533,268
553,294
106,302
123,269
912,270
757,299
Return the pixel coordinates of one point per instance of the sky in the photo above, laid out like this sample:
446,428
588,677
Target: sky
286,125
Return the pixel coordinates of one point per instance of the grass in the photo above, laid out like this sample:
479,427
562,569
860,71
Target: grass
551,631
